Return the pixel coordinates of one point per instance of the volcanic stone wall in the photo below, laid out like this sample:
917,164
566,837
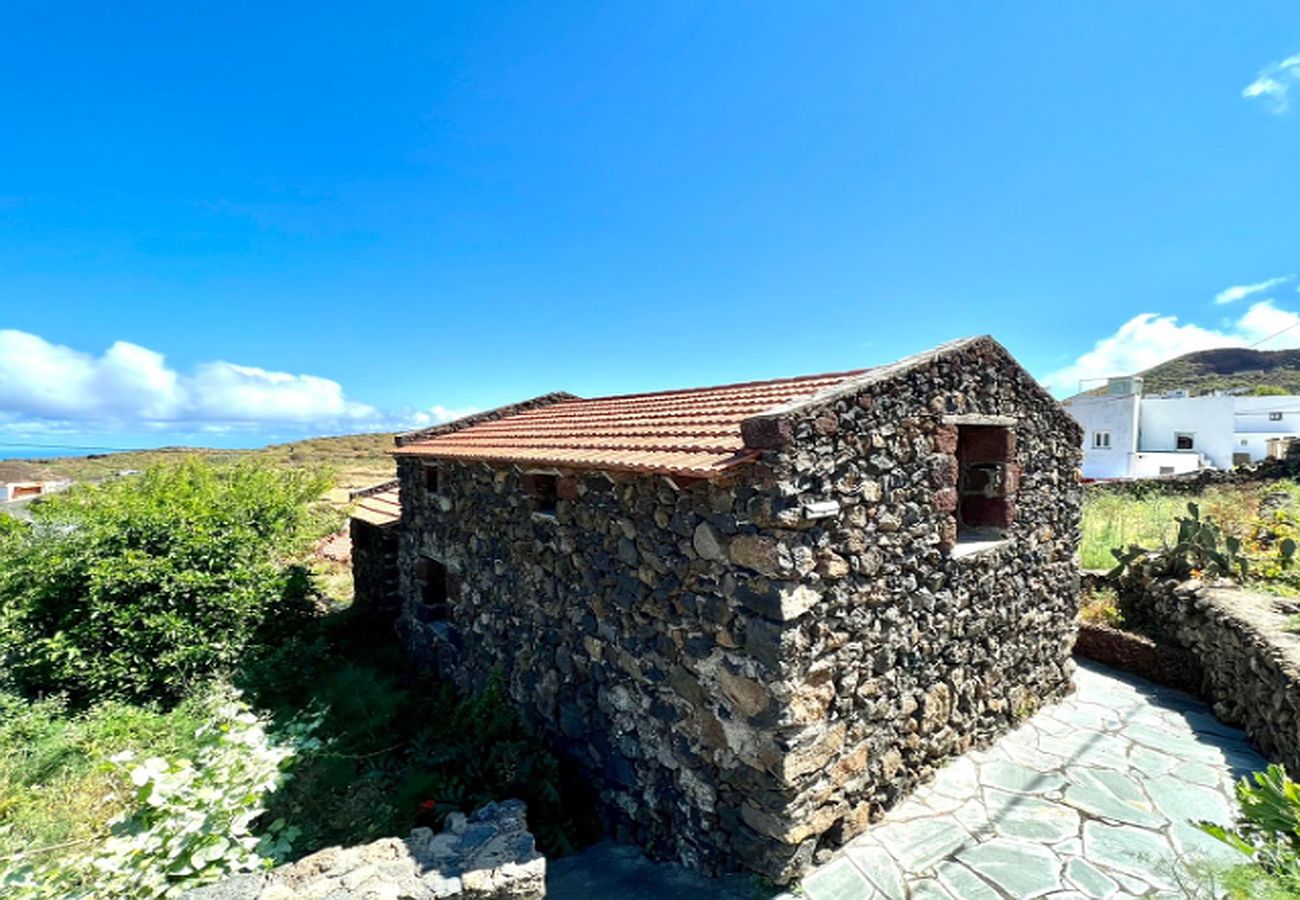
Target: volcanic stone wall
1249,656
751,667
375,568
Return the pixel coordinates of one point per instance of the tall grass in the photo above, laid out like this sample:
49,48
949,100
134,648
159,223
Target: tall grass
1117,520
54,786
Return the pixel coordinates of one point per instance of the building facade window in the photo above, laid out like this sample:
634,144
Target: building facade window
1101,440
431,478
1184,440
434,593
987,480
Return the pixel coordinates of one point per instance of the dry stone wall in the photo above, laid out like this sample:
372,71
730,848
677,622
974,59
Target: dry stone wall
489,855
754,667
1250,662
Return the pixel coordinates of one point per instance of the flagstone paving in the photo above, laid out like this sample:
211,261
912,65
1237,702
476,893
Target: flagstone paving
1089,798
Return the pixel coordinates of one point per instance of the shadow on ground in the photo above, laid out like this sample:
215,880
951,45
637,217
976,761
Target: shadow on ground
609,870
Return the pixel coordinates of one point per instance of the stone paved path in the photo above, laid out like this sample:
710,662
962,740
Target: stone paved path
1090,798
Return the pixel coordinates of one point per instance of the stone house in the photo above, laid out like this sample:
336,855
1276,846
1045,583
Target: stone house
755,615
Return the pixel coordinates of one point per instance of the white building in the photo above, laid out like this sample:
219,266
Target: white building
1127,435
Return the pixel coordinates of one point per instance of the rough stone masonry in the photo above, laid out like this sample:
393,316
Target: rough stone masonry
754,665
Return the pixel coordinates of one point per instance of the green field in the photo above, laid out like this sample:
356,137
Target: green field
354,460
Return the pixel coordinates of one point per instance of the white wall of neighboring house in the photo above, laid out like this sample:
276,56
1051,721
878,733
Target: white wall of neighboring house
1209,421
1159,464
1109,433
1144,432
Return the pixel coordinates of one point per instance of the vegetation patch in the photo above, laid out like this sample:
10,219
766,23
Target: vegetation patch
178,702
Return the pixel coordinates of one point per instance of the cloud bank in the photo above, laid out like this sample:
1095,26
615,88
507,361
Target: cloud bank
1273,85
1150,338
45,385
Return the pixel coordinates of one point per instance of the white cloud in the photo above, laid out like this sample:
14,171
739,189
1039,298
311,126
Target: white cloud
1273,84
436,415
46,387
1149,339
1242,291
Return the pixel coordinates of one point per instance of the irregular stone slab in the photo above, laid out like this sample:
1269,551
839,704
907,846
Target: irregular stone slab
1181,802
839,880
930,889
962,882
919,844
1009,776
1103,751
1093,882
1181,747
1198,773
1194,844
1151,762
1019,868
959,779
880,869
1135,851
1018,816
1111,795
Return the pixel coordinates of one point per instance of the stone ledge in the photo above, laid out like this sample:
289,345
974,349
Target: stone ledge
488,856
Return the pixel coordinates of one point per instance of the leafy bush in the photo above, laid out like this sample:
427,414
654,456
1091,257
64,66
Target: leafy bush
143,588
189,823
1268,830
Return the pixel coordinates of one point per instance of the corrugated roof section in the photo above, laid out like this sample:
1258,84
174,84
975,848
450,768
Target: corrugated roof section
382,508
694,432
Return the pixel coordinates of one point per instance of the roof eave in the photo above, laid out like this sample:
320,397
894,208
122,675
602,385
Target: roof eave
490,415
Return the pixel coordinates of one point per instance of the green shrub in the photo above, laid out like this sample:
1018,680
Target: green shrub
1268,828
143,588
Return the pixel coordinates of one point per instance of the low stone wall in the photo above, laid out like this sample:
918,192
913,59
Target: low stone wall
1139,655
1193,483
374,568
1250,662
488,856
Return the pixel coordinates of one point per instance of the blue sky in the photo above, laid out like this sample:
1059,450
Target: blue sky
245,222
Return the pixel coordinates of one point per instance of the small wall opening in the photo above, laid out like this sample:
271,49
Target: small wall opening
432,576
987,479
544,490
431,478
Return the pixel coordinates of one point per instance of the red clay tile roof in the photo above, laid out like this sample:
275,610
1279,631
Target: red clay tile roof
381,508
694,432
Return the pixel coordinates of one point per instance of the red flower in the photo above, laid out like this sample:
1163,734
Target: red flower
429,805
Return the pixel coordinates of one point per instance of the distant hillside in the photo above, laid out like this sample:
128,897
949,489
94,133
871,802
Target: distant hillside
356,460
1224,369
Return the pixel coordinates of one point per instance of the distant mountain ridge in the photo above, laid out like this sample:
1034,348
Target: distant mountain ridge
1223,369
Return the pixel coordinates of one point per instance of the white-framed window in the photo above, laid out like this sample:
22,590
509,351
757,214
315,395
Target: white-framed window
1275,417
1101,440
1184,440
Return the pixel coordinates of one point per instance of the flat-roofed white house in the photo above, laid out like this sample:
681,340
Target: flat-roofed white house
1128,435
